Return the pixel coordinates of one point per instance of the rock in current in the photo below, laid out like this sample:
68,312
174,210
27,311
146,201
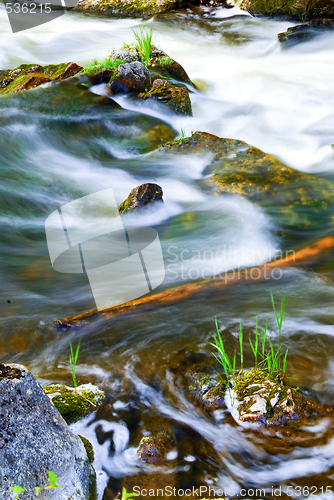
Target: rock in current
29,76
294,9
141,196
160,64
305,32
154,449
175,98
235,167
34,439
130,77
205,389
265,400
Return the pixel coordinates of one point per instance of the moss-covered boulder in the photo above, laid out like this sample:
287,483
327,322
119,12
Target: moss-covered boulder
29,76
154,449
295,199
305,32
74,404
175,98
140,197
264,399
292,9
160,64
137,8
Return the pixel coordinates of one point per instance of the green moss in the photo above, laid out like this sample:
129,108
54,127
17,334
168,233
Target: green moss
192,388
217,391
175,98
27,76
71,404
88,447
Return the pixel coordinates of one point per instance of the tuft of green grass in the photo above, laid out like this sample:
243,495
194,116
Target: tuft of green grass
182,138
143,43
73,362
165,61
268,358
107,64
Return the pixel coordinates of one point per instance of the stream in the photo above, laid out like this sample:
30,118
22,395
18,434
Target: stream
56,147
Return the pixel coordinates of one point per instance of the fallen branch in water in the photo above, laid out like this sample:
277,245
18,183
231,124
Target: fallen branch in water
306,256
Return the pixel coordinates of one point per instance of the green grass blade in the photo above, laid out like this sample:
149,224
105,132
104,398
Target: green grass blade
241,338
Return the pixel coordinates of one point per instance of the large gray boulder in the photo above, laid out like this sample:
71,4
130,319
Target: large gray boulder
34,439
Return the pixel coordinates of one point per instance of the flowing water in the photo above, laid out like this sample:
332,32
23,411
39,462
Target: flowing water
57,145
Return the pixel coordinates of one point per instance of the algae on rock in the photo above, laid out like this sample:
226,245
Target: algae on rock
29,76
296,199
74,404
291,9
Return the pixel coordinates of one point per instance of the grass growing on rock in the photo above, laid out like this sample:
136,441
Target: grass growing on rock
269,362
143,43
107,64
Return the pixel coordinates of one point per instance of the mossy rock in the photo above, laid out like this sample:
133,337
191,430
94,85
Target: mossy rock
29,76
264,399
305,32
206,389
127,8
140,197
74,404
291,9
154,449
295,199
160,64
176,99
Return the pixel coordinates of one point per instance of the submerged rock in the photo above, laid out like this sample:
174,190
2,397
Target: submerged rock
175,98
294,9
140,197
130,77
34,439
296,199
154,449
206,389
29,76
74,404
305,32
265,400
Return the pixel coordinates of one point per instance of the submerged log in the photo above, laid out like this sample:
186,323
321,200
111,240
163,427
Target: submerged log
314,253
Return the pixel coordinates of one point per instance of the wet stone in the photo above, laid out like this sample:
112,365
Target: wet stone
235,167
141,196
206,389
154,449
130,77
264,399
36,439
175,98
305,32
